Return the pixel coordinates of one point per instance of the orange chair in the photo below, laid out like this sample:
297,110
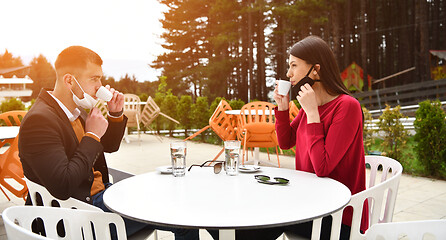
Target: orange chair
256,127
221,123
11,168
10,164
11,118
293,111
293,114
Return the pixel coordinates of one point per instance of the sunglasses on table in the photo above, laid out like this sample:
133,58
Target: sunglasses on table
218,166
267,180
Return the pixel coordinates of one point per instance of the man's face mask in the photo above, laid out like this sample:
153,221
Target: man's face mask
88,102
296,88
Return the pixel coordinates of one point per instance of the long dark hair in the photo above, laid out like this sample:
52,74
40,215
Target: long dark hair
314,50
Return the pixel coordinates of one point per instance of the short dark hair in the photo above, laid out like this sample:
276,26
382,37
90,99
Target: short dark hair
76,57
314,50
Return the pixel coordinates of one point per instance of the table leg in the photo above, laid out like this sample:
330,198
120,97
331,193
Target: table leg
226,234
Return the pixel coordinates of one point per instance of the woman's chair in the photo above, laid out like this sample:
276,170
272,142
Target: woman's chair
221,123
427,229
78,224
132,109
380,195
256,127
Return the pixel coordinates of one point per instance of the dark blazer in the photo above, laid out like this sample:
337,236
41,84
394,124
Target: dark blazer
52,156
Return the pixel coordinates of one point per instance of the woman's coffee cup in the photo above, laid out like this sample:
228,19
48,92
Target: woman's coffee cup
283,87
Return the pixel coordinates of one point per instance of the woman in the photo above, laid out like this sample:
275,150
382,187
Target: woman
327,132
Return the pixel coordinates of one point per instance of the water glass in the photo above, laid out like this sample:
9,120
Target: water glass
178,156
232,152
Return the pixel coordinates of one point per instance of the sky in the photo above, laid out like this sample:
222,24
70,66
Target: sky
125,33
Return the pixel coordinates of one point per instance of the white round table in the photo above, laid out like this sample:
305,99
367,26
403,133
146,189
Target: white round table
9,132
203,199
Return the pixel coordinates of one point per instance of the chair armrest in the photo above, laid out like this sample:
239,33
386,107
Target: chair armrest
118,175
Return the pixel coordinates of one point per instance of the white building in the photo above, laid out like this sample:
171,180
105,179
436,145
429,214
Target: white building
14,87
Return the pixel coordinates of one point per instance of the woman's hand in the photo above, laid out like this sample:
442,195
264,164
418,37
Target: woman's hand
307,99
282,101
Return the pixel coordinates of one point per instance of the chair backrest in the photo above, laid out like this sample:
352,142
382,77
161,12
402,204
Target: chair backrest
102,106
12,118
41,197
132,102
150,112
11,168
427,229
380,196
132,109
78,224
221,123
293,110
257,112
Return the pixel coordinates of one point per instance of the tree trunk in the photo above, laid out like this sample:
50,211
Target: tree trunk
364,43
423,33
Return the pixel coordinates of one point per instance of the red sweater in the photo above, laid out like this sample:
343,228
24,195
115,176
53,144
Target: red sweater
332,148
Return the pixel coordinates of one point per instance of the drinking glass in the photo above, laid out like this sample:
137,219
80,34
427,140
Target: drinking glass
178,156
232,152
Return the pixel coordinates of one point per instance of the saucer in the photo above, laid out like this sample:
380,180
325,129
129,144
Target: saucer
248,169
164,169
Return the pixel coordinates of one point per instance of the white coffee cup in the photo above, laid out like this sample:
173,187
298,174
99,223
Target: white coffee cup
283,87
104,94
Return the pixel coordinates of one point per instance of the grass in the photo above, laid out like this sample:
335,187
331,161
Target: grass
408,158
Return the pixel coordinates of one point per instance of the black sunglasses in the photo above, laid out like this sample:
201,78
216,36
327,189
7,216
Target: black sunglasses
217,166
267,180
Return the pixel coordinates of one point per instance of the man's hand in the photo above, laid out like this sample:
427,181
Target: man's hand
117,102
96,123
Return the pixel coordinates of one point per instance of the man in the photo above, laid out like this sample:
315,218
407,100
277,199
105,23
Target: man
62,147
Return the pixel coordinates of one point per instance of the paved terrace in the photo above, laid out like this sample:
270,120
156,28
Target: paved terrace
418,198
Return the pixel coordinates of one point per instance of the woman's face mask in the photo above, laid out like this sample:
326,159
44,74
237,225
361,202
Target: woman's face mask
88,102
296,88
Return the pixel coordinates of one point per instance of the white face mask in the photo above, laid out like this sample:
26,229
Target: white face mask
88,102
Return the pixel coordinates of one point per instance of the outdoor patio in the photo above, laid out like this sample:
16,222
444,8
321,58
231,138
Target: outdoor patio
418,198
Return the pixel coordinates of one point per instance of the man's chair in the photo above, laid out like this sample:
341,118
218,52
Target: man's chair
256,127
380,194
11,170
132,109
41,197
221,123
78,224
427,229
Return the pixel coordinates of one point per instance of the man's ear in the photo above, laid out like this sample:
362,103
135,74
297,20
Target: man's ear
68,80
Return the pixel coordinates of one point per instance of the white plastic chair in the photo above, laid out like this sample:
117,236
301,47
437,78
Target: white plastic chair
434,229
78,224
132,109
40,195
381,194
